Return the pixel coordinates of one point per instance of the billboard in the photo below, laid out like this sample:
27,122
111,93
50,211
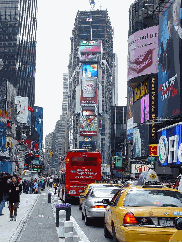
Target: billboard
143,52
88,110
139,168
145,108
89,90
91,145
90,46
88,125
169,61
89,70
170,145
22,109
89,87
141,141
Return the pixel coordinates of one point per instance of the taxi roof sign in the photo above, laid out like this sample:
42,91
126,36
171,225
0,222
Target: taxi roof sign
148,177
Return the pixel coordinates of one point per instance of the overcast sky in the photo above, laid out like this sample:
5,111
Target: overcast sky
55,23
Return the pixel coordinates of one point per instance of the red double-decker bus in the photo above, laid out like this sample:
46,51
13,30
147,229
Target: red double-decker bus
82,168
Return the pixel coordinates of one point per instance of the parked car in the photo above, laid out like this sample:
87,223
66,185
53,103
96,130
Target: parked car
93,206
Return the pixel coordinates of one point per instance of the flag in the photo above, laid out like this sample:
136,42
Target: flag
89,19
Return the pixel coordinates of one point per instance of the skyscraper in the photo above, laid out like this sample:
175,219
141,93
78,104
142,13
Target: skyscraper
18,26
92,82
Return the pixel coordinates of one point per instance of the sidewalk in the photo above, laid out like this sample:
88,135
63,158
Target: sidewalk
9,230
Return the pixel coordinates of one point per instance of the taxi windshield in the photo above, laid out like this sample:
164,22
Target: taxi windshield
158,198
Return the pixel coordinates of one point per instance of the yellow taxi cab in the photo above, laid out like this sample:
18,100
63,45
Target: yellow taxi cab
177,236
144,212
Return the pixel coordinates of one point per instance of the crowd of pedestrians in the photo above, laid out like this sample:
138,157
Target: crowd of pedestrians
11,188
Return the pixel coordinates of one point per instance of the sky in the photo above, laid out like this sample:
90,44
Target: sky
55,21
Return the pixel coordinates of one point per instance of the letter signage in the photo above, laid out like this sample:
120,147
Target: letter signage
170,146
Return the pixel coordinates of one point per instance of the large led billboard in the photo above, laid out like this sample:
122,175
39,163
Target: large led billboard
169,61
90,46
141,141
170,145
145,108
88,125
143,52
91,145
89,87
89,90
88,110
89,70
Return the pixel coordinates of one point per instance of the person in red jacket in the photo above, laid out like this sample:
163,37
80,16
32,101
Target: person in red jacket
14,197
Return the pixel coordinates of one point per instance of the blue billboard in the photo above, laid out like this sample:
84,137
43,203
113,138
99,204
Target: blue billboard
38,111
89,70
170,145
169,61
3,136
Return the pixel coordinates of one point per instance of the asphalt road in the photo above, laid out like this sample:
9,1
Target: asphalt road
94,232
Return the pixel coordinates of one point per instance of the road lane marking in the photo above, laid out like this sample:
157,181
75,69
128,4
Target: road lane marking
79,231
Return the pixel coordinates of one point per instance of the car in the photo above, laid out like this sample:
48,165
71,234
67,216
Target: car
143,212
177,236
93,206
82,195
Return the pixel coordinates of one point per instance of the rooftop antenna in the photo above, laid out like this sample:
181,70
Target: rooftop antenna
92,4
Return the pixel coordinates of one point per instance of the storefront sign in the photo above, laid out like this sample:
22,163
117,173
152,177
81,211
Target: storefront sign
153,149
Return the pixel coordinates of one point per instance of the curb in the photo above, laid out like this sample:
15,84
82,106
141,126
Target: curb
19,230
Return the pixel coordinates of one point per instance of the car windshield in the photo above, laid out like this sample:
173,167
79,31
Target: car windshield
105,192
158,198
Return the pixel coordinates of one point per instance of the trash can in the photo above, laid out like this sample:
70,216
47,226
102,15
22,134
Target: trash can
63,206
49,197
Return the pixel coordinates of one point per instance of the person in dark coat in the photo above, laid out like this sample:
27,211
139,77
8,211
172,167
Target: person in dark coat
14,197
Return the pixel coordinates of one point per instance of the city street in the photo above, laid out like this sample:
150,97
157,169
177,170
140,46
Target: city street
94,232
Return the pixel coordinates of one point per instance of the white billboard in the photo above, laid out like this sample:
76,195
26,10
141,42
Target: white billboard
139,168
22,109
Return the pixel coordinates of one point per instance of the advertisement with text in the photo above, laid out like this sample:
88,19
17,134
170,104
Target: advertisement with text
169,62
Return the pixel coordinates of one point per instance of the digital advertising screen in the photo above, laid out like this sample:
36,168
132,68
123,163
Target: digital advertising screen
88,125
170,146
129,102
89,87
89,70
144,108
88,111
91,145
143,52
140,141
90,46
169,61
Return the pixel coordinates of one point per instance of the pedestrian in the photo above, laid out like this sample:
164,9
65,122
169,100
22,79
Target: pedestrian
35,187
55,187
14,197
50,182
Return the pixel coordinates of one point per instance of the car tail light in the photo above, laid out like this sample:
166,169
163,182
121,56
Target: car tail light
129,218
99,206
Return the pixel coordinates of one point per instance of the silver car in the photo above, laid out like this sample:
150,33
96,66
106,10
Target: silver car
93,206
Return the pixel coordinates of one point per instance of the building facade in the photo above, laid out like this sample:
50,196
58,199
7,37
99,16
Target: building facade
92,82
149,100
